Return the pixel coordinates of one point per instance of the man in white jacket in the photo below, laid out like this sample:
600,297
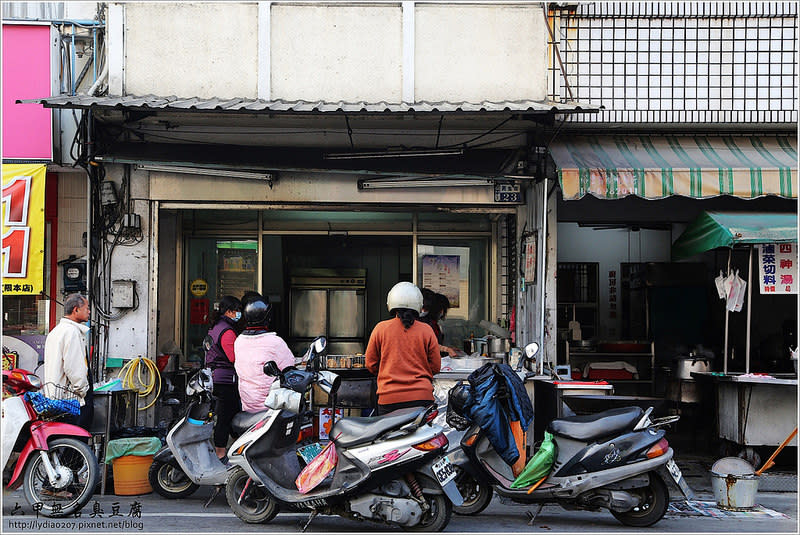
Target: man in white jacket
65,361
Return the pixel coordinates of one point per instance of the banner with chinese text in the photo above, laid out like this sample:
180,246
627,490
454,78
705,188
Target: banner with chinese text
777,268
23,228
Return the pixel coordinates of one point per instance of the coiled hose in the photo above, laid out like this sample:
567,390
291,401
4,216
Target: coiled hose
144,383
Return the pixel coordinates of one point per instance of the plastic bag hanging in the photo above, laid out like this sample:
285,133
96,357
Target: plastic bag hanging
737,306
319,467
731,291
719,282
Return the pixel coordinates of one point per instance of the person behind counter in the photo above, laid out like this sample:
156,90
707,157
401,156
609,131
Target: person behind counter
403,353
434,310
255,347
220,357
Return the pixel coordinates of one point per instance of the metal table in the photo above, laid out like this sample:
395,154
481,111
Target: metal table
754,411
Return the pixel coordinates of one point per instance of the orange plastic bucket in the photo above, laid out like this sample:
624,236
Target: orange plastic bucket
130,474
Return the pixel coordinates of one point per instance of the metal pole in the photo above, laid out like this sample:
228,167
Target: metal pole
727,315
749,310
541,273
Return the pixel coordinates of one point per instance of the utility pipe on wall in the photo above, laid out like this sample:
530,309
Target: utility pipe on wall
542,264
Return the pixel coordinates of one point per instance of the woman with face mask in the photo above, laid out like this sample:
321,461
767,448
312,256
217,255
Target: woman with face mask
220,358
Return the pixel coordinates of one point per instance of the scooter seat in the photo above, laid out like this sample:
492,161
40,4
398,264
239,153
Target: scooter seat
243,421
591,426
349,432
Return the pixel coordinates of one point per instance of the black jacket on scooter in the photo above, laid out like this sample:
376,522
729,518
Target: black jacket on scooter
499,397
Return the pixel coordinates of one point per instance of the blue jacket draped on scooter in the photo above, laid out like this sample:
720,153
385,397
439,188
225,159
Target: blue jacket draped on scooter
498,397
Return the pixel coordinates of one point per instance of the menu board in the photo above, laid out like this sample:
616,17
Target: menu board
777,268
441,274
236,272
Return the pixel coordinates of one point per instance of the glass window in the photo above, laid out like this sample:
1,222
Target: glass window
457,268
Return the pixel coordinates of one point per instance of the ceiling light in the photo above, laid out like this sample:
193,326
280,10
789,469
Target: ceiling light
387,183
207,171
392,154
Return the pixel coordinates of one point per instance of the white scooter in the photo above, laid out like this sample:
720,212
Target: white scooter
390,469
189,459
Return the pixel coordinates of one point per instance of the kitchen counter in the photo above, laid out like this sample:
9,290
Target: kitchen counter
754,410
772,379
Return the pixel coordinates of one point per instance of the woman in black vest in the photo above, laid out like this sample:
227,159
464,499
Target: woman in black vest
220,358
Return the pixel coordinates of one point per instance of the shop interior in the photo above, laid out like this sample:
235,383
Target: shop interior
328,272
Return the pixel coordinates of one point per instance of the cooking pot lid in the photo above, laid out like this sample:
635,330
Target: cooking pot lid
732,466
700,358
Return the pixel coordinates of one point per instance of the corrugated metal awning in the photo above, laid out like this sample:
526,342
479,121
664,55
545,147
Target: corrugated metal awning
243,105
654,167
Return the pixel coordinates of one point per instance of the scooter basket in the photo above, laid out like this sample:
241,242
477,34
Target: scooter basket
62,402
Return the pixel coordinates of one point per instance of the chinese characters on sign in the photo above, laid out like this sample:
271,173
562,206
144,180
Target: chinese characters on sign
777,268
23,228
441,274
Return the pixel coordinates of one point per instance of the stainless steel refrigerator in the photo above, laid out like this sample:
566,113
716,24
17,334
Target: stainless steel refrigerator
329,302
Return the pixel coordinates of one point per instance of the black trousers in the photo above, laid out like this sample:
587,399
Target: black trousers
386,409
226,407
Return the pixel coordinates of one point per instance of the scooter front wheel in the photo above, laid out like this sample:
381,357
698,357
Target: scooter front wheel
170,481
477,496
77,471
654,502
256,505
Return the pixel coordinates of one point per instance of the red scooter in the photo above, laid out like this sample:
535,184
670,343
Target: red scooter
52,459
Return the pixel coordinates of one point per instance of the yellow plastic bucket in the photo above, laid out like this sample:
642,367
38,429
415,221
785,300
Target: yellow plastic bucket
130,474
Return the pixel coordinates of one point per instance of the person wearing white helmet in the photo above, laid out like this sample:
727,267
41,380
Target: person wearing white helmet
403,353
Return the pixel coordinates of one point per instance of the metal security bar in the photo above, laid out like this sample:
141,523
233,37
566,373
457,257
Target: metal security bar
679,62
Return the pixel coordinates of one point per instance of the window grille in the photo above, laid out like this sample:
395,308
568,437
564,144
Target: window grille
673,62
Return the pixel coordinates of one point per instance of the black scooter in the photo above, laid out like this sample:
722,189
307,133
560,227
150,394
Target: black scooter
616,460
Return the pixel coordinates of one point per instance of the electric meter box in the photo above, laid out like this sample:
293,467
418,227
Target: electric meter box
74,276
123,293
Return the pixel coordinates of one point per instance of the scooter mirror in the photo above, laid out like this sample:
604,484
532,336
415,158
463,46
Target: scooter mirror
271,369
531,350
319,344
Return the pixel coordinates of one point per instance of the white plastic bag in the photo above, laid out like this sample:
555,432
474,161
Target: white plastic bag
737,307
719,282
283,398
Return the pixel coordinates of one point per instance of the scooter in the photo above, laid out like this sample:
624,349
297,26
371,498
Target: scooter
617,459
189,460
54,463
390,469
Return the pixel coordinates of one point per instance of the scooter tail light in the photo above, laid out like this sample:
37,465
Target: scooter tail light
305,433
431,416
659,448
437,442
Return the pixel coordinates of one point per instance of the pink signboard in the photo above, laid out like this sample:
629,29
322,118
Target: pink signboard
27,128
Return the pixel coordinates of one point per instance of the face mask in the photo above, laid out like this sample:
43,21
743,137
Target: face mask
237,316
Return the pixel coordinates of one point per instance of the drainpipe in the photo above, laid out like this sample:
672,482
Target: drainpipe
97,83
542,278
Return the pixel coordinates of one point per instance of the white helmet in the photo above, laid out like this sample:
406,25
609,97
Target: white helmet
404,295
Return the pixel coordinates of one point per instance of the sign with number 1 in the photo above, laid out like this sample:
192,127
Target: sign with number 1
23,228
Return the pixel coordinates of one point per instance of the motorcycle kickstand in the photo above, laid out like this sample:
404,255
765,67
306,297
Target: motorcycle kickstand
532,516
314,513
217,490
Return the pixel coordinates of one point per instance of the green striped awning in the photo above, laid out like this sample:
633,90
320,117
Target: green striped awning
654,167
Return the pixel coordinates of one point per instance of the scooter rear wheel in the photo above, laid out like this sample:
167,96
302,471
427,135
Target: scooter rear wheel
654,503
257,506
170,481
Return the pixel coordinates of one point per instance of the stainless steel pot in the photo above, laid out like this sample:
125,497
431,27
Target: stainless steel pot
472,345
498,345
684,366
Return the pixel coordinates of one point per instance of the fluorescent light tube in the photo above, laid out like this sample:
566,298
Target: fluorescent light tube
206,171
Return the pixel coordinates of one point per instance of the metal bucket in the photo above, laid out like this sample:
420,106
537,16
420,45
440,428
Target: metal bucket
734,483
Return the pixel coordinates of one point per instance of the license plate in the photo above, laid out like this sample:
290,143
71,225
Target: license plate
674,471
444,471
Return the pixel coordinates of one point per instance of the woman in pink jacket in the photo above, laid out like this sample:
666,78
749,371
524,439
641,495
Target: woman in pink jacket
255,347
